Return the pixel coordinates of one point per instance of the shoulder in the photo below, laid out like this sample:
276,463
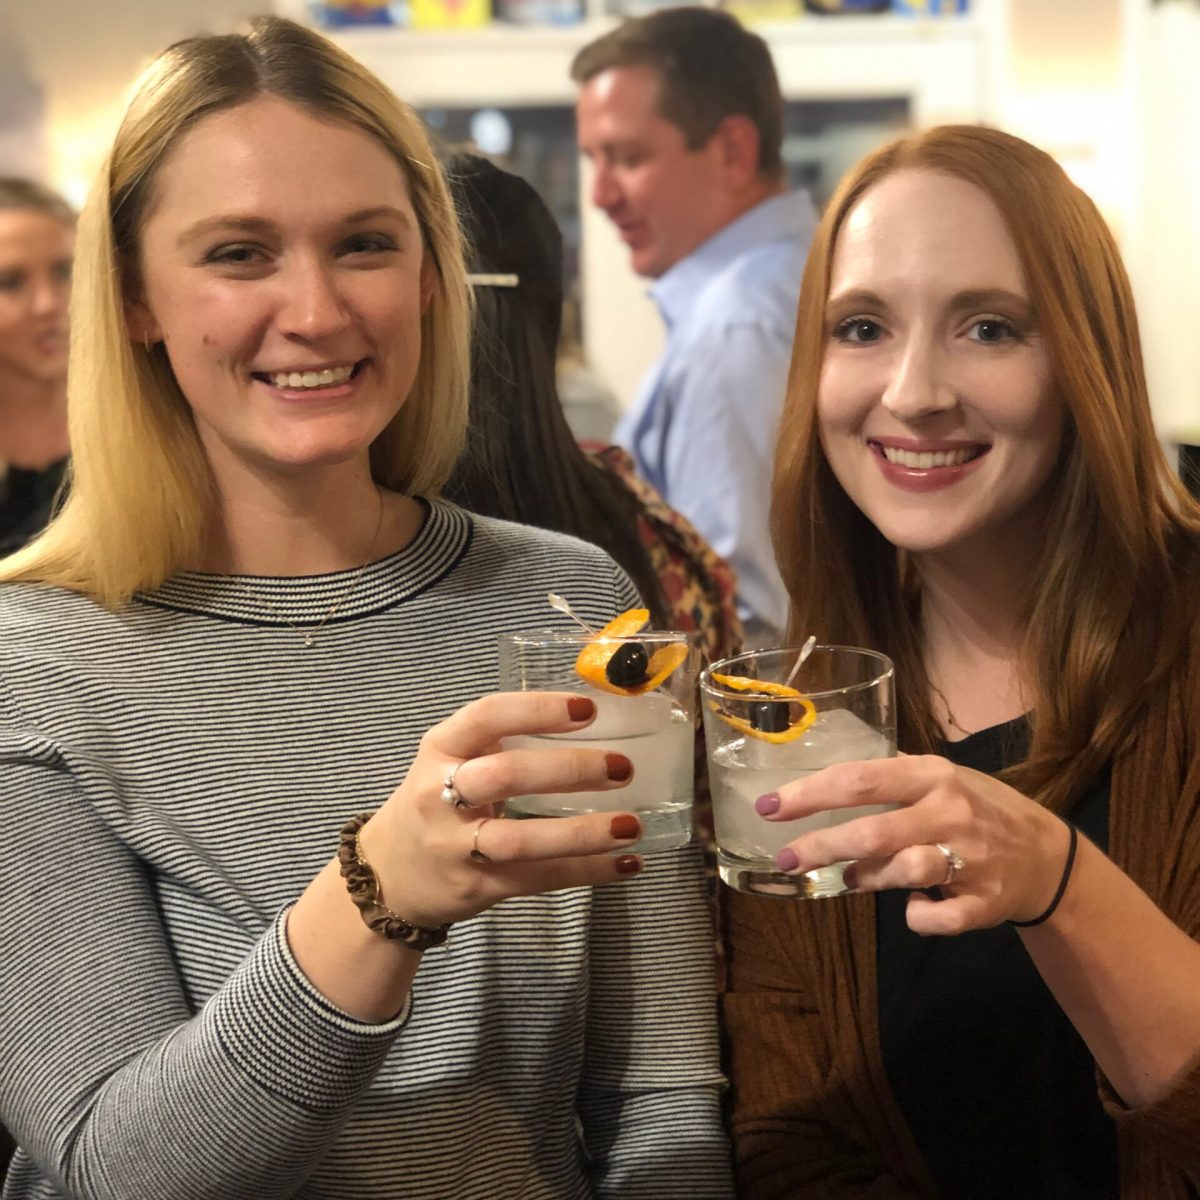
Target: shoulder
511,567
755,296
530,546
33,616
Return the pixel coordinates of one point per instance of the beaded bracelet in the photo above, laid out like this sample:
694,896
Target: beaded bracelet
1062,883
363,887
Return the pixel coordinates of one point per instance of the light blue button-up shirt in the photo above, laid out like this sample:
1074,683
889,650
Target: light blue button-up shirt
702,429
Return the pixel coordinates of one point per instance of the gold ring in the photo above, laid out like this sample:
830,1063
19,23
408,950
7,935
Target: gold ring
478,855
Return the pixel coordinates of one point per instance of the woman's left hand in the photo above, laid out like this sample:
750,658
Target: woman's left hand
1012,849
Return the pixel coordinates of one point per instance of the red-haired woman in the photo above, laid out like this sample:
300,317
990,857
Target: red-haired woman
968,479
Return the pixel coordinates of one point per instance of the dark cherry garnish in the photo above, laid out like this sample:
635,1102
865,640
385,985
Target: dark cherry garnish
770,716
628,666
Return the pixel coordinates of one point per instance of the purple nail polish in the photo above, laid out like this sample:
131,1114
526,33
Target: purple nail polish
787,859
850,877
767,804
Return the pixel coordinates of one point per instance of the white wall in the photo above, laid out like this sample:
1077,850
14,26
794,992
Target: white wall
74,60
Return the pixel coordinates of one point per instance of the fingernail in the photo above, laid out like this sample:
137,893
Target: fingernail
768,804
626,826
787,859
579,708
619,768
850,877
628,864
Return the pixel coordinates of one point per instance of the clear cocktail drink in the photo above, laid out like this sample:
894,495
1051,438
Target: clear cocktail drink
758,742
654,730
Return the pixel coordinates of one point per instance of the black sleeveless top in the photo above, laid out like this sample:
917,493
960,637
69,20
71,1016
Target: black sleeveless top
997,1087
26,504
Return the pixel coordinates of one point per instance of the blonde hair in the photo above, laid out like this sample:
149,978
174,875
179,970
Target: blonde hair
141,493
1108,607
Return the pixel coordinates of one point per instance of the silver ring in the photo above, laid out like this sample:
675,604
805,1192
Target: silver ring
954,862
478,855
450,794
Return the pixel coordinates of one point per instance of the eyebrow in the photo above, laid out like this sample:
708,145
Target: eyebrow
968,298
252,224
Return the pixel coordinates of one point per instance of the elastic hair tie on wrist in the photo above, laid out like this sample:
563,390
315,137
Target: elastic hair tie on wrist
1062,883
363,886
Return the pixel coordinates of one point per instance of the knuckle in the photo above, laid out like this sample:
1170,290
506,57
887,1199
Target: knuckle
500,777
875,841
858,778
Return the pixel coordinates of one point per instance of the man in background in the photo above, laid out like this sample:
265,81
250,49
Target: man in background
681,116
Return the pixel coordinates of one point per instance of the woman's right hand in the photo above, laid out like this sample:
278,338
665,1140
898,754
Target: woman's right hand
419,846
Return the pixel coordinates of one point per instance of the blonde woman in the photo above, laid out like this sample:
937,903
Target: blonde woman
968,479
246,627
37,235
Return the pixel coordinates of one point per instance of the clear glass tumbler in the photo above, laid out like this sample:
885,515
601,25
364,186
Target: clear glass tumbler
842,709
653,727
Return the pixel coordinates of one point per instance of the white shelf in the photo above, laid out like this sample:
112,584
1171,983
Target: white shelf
815,57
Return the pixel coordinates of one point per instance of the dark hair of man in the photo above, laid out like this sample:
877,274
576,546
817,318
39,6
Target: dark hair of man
710,67
521,461
23,195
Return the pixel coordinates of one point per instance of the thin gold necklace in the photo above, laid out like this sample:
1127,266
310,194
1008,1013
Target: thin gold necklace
308,633
951,719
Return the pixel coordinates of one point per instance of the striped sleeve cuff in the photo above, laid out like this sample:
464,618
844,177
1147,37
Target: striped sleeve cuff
277,1028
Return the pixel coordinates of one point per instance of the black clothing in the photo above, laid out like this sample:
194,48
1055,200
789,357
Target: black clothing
27,503
997,1087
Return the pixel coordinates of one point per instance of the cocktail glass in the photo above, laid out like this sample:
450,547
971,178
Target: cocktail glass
757,742
654,730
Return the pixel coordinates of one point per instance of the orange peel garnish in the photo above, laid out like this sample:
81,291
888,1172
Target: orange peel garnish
662,662
740,683
592,662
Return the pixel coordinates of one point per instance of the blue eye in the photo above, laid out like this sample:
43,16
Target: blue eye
858,331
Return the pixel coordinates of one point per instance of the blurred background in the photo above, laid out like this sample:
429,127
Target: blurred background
1109,87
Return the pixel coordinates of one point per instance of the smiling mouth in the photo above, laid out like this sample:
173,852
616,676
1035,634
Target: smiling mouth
299,381
928,460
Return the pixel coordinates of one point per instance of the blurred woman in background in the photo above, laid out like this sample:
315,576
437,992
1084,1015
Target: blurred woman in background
37,236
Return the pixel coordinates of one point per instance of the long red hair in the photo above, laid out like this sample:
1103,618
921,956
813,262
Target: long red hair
1108,607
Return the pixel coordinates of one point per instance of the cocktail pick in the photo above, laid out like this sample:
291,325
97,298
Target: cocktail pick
562,606
805,651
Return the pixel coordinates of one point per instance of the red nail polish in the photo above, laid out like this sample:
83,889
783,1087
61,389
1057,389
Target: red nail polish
579,708
619,768
628,864
626,826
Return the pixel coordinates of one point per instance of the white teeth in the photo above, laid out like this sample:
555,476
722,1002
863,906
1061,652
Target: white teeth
926,460
298,380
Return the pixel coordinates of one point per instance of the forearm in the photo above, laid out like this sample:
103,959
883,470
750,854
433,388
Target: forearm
107,1067
1126,976
365,975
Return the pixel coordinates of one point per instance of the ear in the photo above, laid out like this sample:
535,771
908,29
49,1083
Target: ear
429,282
141,323
736,142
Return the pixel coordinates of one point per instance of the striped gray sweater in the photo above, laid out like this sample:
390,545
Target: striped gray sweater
172,777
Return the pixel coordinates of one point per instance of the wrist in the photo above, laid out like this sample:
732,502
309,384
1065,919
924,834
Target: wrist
1061,847
375,906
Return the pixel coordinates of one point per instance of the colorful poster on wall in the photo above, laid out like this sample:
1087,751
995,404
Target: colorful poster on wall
930,8
339,14
450,14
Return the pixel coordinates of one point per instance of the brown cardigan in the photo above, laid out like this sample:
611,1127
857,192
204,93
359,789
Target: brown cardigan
813,1115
